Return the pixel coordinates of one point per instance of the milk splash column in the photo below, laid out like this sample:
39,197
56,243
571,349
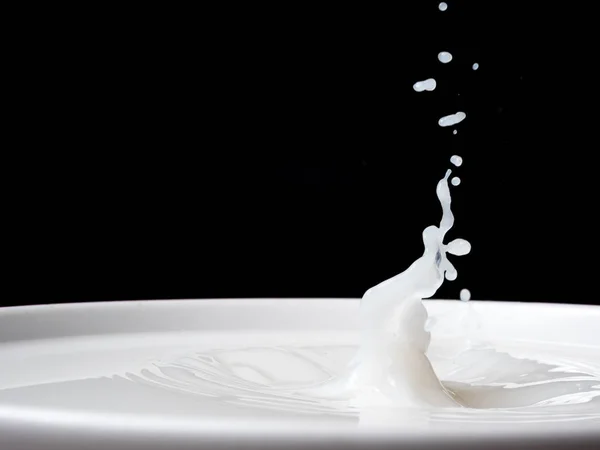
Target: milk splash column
390,367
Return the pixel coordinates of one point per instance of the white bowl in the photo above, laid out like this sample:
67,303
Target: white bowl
56,361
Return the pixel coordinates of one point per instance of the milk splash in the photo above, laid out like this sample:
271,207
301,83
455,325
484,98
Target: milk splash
390,366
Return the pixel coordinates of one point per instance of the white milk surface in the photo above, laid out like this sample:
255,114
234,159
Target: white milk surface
491,379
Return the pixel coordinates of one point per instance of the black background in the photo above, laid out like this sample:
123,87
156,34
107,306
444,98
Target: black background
246,152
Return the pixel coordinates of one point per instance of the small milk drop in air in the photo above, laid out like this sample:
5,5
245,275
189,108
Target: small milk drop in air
443,6
456,160
445,57
425,85
455,181
475,66
452,119
455,132
465,295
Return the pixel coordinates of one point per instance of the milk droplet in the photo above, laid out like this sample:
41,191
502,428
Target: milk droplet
456,160
445,57
465,295
458,247
475,66
443,6
455,181
452,119
455,131
425,85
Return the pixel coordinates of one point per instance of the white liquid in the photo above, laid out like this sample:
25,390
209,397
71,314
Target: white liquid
273,375
445,57
425,85
456,160
345,378
393,326
395,371
454,131
449,370
452,119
